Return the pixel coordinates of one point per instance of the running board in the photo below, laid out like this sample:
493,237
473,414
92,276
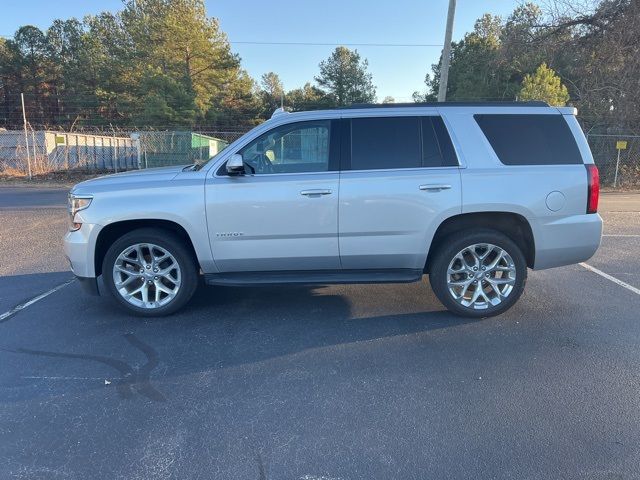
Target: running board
315,277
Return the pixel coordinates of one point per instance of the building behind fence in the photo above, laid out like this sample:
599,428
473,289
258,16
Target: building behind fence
48,151
160,149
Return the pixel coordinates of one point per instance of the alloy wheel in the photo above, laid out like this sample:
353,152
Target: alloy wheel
147,275
481,276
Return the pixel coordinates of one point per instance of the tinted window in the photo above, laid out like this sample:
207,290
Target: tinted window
530,139
400,142
293,148
431,156
437,149
392,142
449,158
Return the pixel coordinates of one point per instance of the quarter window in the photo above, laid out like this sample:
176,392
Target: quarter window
292,148
530,139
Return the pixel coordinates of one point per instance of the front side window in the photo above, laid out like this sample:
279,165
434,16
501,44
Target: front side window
293,148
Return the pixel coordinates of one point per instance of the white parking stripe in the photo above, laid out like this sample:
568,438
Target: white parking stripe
613,279
24,305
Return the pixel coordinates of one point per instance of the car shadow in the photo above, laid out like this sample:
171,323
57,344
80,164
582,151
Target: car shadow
230,326
222,327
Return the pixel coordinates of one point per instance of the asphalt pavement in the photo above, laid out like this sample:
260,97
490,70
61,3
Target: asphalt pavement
338,382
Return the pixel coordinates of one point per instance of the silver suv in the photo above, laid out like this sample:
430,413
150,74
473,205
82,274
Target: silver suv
470,194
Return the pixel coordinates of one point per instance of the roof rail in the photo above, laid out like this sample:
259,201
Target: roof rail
278,111
531,103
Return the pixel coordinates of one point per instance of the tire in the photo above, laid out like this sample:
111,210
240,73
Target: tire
501,285
168,291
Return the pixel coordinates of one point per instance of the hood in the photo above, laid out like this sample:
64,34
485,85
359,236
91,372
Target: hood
129,177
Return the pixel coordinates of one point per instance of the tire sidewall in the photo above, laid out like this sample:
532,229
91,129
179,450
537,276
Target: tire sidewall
454,244
169,242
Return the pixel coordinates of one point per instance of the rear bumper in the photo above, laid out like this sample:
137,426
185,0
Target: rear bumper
567,240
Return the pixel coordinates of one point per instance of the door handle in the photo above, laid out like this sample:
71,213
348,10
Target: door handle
433,187
315,193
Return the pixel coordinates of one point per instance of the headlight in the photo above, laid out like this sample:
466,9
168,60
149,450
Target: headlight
75,204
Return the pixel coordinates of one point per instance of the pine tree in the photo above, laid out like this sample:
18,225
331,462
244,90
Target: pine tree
544,85
344,76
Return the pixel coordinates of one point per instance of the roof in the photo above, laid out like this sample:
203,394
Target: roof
531,103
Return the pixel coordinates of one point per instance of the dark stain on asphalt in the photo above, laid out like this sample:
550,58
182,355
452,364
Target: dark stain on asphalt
132,380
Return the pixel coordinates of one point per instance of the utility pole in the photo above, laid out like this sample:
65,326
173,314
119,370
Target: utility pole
446,52
26,136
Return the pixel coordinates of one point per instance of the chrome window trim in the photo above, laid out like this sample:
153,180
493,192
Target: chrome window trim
275,174
413,169
298,117
383,170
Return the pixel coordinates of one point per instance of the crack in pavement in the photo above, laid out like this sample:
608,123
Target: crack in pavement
132,378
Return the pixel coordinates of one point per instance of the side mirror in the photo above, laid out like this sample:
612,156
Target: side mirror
235,165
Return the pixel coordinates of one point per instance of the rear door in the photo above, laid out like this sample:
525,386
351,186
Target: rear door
399,180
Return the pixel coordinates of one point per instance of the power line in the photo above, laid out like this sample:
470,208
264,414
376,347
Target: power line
323,44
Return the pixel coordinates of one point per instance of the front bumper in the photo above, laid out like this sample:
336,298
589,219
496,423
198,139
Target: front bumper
79,248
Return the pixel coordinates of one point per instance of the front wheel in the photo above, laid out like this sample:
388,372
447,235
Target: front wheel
478,274
150,272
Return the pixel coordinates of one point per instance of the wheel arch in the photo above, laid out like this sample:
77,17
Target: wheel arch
111,232
513,225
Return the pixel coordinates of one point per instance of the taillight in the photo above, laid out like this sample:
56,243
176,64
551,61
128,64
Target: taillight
593,192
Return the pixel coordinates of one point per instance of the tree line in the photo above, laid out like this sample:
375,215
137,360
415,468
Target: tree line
580,52
166,63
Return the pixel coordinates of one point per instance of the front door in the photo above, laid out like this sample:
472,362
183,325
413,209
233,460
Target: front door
282,214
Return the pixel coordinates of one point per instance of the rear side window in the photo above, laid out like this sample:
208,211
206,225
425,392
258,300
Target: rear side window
437,149
400,142
530,139
391,142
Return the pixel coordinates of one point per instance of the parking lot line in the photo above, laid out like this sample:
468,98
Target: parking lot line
35,299
613,279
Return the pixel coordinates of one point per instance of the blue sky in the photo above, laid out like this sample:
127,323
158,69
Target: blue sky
397,71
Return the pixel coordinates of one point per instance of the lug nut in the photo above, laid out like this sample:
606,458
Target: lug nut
148,267
155,278
155,270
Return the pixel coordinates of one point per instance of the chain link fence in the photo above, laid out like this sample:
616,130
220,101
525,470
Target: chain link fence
163,148
40,152
617,158
44,151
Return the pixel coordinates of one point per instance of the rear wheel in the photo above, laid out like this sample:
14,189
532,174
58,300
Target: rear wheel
150,272
480,273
